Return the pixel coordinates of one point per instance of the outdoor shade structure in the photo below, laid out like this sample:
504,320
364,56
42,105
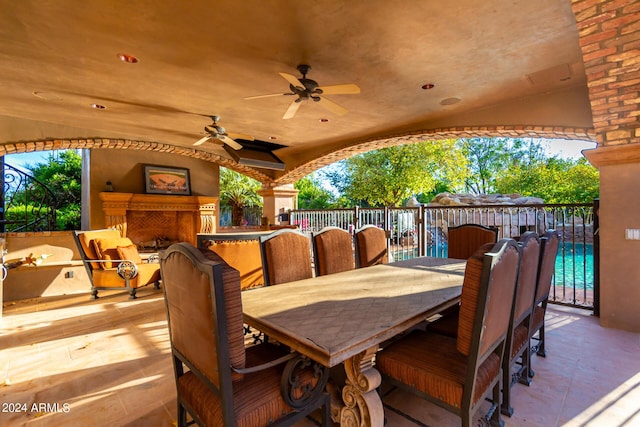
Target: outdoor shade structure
139,83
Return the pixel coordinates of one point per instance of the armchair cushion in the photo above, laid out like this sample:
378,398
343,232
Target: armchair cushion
129,252
86,242
107,249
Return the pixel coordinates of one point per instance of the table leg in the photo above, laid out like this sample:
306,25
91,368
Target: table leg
363,406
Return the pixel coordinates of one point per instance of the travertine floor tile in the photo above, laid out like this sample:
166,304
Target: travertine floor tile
109,361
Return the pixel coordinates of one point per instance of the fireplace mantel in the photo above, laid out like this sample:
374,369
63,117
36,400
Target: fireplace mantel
143,217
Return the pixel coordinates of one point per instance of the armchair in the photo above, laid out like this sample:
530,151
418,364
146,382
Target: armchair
220,382
112,262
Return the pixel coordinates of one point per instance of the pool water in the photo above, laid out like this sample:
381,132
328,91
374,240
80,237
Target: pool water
574,263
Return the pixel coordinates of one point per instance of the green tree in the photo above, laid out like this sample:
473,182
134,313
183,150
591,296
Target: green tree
488,156
238,191
62,173
554,181
390,175
311,195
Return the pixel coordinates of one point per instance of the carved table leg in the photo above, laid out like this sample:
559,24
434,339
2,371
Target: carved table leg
363,406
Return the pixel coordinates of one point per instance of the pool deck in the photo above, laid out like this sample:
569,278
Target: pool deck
109,361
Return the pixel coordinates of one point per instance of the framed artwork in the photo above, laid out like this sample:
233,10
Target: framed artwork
166,180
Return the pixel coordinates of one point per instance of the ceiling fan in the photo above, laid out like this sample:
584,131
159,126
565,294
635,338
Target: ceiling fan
307,89
215,131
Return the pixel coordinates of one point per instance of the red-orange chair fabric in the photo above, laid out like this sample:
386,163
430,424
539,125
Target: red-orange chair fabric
218,381
332,251
464,240
456,373
371,246
286,257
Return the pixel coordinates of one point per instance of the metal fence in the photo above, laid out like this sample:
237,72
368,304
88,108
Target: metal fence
27,203
422,231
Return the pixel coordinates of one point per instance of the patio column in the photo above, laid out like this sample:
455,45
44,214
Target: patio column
608,32
277,200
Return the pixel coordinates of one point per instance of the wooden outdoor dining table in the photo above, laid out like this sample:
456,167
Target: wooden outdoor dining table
343,317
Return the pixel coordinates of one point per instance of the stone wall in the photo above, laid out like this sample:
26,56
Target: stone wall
448,199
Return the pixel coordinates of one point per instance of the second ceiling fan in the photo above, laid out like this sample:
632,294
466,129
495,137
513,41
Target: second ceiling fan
306,89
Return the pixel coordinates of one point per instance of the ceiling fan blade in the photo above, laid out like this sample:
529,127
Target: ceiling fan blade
230,142
202,140
244,136
346,89
293,108
267,96
332,106
292,79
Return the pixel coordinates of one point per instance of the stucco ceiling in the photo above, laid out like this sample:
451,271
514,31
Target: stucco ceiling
509,62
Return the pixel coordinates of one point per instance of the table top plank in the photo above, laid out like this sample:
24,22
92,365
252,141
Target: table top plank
331,318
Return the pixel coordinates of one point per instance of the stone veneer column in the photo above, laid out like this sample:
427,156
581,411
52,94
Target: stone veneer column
277,200
609,36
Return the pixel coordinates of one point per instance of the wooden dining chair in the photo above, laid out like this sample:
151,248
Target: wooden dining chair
517,344
463,240
457,373
332,251
286,256
549,244
371,246
219,381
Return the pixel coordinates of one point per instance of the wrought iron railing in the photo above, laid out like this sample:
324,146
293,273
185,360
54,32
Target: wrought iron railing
423,231
28,204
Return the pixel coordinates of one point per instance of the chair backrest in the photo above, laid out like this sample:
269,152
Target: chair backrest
86,243
286,257
549,244
371,246
204,314
529,244
332,251
464,240
486,304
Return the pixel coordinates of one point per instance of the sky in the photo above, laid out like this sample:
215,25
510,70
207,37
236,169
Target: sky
561,148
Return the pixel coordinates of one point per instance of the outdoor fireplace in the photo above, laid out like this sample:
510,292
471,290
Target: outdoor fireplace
153,221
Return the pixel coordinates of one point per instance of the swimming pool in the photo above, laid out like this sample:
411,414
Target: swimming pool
574,263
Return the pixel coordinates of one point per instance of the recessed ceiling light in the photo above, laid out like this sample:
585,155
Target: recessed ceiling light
98,106
323,120
272,137
450,101
428,86
47,96
129,59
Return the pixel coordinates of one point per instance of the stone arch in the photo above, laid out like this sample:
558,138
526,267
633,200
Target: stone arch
549,132
126,144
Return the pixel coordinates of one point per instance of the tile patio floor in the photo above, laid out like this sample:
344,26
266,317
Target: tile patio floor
107,363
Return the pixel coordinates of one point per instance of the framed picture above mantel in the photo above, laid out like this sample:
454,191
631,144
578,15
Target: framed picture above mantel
166,180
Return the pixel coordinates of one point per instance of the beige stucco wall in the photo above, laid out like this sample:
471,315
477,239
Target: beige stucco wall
124,169
61,273
619,258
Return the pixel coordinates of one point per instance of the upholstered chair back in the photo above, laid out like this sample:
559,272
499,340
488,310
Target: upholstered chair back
371,246
286,257
205,314
464,240
527,276
333,251
548,253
